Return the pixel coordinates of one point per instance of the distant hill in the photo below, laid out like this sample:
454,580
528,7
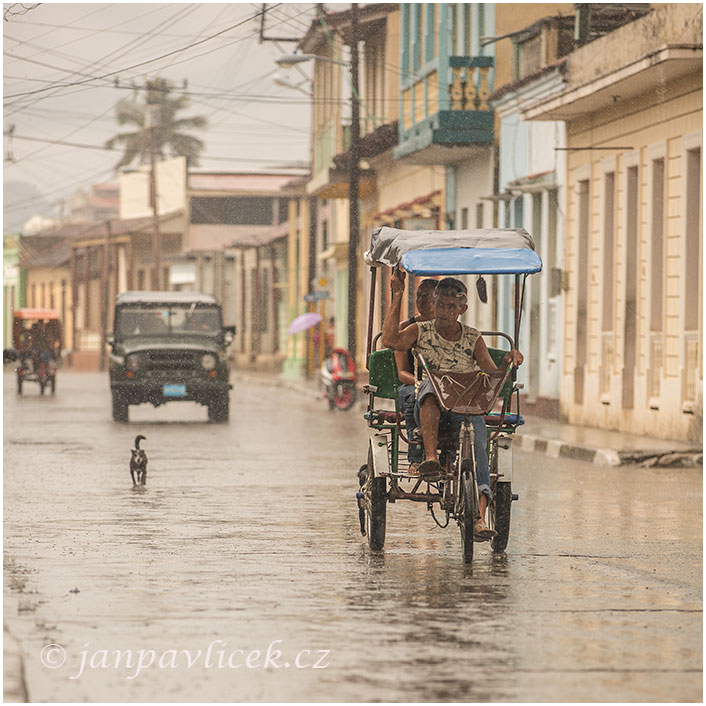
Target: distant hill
21,200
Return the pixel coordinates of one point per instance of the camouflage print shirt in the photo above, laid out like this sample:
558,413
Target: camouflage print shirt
442,354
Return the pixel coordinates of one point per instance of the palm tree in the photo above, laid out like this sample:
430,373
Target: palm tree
168,133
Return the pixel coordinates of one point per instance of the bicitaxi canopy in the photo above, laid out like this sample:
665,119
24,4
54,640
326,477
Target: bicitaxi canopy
484,251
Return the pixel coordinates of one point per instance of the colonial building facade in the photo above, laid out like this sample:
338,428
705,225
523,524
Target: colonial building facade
632,337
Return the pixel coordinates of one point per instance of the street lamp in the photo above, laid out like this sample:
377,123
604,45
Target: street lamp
353,186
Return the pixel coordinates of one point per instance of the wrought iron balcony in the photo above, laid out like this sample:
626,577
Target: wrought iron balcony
446,106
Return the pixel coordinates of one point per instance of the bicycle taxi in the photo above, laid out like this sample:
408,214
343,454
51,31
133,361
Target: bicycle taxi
386,477
36,337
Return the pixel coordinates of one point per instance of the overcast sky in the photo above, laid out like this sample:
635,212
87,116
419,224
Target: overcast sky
254,124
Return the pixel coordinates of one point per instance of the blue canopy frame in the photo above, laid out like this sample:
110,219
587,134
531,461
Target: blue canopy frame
471,261
483,251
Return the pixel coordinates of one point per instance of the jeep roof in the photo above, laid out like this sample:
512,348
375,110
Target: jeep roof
165,298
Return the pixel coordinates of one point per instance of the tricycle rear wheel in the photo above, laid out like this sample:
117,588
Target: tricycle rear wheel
468,509
376,508
499,512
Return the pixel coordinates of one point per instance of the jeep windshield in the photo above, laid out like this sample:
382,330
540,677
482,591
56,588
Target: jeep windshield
168,319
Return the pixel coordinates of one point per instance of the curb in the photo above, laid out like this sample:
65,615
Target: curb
560,449
14,685
554,448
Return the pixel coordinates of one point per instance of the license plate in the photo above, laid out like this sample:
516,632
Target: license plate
174,390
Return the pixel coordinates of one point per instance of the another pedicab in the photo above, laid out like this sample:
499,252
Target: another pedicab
386,477
36,337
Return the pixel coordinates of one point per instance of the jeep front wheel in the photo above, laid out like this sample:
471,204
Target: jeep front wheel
218,408
120,409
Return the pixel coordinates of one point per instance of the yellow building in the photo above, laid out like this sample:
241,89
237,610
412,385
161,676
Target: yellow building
46,265
633,106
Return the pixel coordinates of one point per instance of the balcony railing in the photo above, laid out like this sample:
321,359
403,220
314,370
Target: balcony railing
446,103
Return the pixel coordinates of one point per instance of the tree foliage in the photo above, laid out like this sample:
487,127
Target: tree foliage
171,138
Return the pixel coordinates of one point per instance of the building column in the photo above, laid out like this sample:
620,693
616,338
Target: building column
74,297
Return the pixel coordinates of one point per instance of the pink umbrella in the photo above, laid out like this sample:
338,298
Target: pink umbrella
304,321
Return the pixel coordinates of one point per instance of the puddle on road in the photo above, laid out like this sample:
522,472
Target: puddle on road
247,540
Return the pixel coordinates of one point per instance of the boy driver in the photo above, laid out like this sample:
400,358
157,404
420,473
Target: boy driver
450,346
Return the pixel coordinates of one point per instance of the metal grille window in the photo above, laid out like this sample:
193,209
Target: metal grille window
608,245
656,363
464,218
265,300
693,233
582,250
691,368
657,238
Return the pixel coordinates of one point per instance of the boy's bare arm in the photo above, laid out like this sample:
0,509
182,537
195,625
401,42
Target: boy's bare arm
405,375
392,337
482,356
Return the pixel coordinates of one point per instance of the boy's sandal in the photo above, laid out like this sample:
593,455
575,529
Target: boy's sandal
430,469
413,469
482,532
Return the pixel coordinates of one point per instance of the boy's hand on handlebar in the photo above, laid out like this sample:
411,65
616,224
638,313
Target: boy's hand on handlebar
514,357
397,281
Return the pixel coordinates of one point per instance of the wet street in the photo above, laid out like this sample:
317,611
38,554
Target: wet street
246,539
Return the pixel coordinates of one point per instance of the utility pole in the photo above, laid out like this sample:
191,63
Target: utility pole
105,278
354,216
151,122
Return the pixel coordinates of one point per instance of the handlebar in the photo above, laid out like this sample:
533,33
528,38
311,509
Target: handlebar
482,333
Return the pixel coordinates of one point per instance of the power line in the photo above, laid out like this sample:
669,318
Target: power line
84,145
127,87
94,30
100,8
141,63
116,53
9,10
141,75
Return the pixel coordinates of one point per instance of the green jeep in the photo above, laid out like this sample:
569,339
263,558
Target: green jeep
169,347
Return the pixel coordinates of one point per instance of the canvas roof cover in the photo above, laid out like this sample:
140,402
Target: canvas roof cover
447,252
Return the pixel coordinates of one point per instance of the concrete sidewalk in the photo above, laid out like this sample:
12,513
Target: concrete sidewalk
547,436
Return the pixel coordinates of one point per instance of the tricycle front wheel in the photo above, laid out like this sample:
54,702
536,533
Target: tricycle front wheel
468,510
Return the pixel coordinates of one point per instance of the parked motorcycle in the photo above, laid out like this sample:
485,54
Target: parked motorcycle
338,379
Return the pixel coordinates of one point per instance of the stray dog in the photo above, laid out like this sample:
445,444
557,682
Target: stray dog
138,463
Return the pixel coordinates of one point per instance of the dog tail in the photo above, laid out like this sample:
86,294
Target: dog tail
138,439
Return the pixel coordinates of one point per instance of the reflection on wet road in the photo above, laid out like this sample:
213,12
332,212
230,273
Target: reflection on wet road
247,533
